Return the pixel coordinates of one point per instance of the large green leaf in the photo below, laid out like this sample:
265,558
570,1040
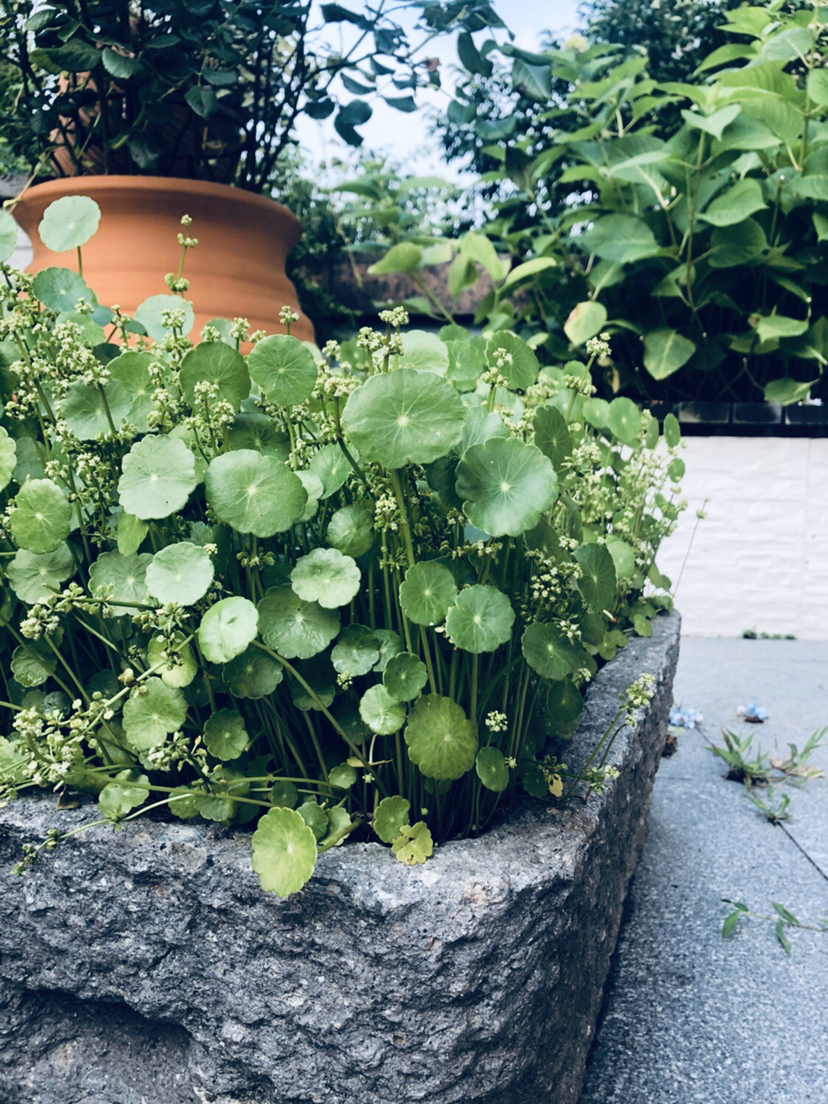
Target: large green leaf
552,434
284,368
480,620
252,674
8,458
60,289
598,582
356,651
284,851
34,576
180,573
153,711
520,365
41,517
548,651
254,493
121,579
327,577
225,735
506,485
294,628
381,711
152,311
175,663
737,245
131,370
158,476
68,223
621,238
332,466
424,352
405,676
714,123
585,321
227,628
492,769
88,407
390,816
216,363
125,792
351,529
427,592
735,205
441,739
665,351
624,419
405,417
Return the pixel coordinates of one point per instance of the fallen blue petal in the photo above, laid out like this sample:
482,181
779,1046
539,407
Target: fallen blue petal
753,712
685,718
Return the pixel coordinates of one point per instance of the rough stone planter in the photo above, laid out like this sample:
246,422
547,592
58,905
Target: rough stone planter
145,966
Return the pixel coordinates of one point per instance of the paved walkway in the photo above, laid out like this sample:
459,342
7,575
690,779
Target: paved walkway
690,1017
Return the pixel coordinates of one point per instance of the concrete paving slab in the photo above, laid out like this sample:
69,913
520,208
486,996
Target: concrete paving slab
690,1017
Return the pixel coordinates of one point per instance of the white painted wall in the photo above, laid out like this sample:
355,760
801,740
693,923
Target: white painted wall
760,558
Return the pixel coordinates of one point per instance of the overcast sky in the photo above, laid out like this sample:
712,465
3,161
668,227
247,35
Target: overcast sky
404,136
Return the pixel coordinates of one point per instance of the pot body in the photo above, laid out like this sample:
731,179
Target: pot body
237,269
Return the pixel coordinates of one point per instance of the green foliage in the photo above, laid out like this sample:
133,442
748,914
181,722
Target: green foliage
783,922
704,191
359,588
200,90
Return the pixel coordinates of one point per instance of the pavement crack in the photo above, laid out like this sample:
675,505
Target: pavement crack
799,846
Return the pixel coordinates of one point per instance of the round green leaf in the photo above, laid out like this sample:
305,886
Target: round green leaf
254,493
405,417
480,620
216,363
283,794
33,664
227,628
284,852
521,366
256,431
34,577
8,236
295,628
42,516
624,420
125,792
180,666
121,578
404,676
60,289
151,315
152,712
351,529
343,777
284,369
158,474
596,412
253,674
131,370
427,592
180,573
585,321
380,711
598,582
390,816
623,556
327,577
69,223
441,739
314,816
390,645
506,485
8,458
548,651
492,769
672,431
552,434
332,467
424,352
225,735
84,408
356,651
564,702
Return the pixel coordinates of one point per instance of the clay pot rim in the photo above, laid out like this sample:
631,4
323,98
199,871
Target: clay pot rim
93,185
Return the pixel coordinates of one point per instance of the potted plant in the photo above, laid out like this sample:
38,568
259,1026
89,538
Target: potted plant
353,594
137,101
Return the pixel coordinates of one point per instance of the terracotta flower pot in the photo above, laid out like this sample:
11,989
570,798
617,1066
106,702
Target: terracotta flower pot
237,269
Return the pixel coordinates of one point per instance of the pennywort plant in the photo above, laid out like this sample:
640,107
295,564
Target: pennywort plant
355,590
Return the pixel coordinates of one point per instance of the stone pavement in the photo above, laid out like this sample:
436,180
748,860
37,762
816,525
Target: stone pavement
689,1017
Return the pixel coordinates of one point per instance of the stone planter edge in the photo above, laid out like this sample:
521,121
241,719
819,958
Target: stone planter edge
145,966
